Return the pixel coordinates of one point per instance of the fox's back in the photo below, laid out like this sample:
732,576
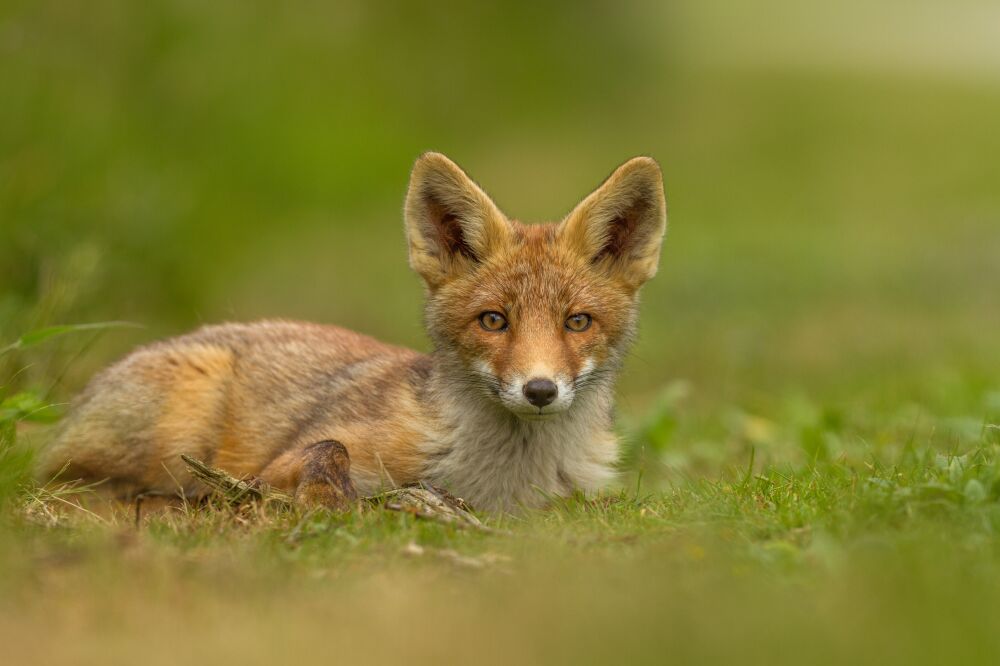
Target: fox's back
239,396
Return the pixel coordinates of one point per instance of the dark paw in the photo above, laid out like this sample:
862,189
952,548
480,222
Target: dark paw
326,479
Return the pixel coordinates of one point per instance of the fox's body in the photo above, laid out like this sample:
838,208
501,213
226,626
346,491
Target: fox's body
513,406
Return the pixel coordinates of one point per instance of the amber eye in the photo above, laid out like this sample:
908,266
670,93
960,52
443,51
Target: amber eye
578,322
493,321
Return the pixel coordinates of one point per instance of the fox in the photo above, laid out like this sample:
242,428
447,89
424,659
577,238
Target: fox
513,406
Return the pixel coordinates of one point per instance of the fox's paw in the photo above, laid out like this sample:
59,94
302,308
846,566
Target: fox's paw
326,480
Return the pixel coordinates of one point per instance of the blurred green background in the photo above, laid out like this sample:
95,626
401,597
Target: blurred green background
832,175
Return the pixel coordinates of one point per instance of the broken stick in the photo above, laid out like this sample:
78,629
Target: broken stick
420,500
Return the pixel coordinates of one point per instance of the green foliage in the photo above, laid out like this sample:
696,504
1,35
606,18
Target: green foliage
15,460
28,407
37,337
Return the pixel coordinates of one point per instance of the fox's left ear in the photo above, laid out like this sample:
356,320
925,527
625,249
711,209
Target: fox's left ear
451,224
620,226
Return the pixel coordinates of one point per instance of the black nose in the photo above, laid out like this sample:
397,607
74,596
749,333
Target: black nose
540,392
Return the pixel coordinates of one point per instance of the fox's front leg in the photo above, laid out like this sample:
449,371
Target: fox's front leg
324,478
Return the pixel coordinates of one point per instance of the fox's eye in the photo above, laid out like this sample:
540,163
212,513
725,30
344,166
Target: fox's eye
493,321
578,322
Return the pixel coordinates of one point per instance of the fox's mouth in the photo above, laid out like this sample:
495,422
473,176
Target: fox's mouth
538,415
531,413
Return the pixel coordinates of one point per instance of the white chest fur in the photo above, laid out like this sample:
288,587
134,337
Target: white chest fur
497,461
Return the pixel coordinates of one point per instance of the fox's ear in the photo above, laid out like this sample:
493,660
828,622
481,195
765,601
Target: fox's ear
451,224
620,226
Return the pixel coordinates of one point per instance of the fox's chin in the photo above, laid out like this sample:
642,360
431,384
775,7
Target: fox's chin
535,416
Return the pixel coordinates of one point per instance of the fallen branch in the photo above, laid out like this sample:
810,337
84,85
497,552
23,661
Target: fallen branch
236,491
421,500
430,503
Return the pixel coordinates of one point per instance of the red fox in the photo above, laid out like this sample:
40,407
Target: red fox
529,325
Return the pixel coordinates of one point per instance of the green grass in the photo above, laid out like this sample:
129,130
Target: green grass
810,414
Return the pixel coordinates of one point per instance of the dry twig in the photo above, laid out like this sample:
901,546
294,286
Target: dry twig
420,500
237,491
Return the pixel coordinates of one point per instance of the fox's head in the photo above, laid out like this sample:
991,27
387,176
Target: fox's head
533,315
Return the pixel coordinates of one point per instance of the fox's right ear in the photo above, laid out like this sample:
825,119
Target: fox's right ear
451,224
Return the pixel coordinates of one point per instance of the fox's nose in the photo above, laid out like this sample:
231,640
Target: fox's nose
540,392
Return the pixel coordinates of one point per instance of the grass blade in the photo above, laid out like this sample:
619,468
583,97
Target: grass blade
39,336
